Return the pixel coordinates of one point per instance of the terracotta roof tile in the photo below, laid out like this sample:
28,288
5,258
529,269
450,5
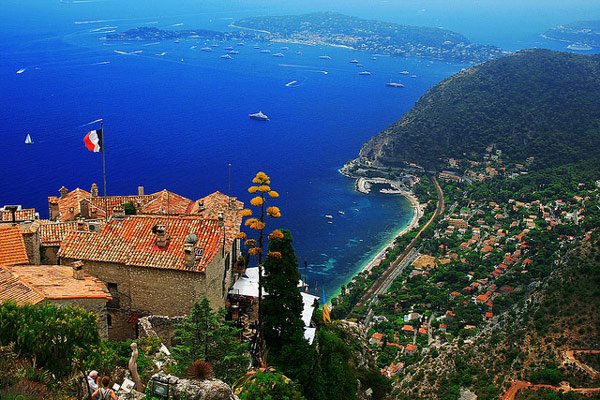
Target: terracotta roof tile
131,242
11,288
53,233
12,246
56,282
26,214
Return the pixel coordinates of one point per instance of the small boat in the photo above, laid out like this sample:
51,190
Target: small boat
394,84
285,48
233,52
330,222
291,83
373,58
19,72
193,47
215,45
328,216
299,53
354,62
28,139
162,54
206,49
259,116
341,212
364,73
257,47
413,76
227,57
265,51
278,55
241,44
404,72
325,57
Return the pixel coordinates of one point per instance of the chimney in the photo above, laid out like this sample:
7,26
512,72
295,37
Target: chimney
94,190
63,192
232,203
81,225
78,270
201,206
118,212
189,249
221,220
13,212
140,190
162,239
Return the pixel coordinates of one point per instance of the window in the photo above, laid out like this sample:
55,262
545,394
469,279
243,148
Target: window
114,293
109,320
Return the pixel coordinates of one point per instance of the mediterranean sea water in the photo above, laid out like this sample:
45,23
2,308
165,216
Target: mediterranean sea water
178,119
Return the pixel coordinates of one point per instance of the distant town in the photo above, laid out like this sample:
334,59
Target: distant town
332,29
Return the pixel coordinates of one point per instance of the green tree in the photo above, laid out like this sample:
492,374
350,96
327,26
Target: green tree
267,385
205,335
56,337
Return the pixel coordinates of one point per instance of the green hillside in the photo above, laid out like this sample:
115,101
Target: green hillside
536,103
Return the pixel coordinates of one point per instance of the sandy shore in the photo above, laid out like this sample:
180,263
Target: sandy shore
418,212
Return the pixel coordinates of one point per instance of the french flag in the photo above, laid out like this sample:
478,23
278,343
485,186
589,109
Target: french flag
94,141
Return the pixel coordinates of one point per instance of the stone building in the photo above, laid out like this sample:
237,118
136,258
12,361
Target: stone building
57,284
155,264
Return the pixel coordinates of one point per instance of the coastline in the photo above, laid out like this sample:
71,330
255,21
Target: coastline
374,260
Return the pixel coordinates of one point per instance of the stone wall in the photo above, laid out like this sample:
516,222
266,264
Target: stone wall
32,246
49,255
210,389
140,291
159,326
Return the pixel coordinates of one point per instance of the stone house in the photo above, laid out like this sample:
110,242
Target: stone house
155,265
60,285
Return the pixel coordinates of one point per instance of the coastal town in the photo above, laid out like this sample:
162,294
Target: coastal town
487,251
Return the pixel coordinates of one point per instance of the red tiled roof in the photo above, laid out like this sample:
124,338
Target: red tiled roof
26,214
11,288
411,347
12,246
56,282
130,241
217,202
408,328
53,233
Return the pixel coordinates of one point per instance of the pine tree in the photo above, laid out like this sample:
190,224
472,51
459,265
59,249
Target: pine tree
282,305
205,335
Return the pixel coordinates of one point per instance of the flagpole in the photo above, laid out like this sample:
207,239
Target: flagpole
103,160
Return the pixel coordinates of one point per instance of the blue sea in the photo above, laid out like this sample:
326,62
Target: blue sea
177,120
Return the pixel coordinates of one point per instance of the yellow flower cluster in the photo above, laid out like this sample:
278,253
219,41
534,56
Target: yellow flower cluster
246,213
250,243
257,201
276,234
274,254
254,223
273,194
241,235
255,251
253,189
274,212
264,188
261,179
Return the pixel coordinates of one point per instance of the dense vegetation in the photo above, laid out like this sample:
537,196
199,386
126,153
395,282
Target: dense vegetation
536,103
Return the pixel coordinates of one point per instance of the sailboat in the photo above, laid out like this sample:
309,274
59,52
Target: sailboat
28,139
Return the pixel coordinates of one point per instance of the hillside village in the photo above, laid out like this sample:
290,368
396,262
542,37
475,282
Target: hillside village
489,251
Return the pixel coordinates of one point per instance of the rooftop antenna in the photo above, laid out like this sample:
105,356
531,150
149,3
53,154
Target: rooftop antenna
229,180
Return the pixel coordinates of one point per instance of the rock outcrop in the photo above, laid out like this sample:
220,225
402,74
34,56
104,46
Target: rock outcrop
210,389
